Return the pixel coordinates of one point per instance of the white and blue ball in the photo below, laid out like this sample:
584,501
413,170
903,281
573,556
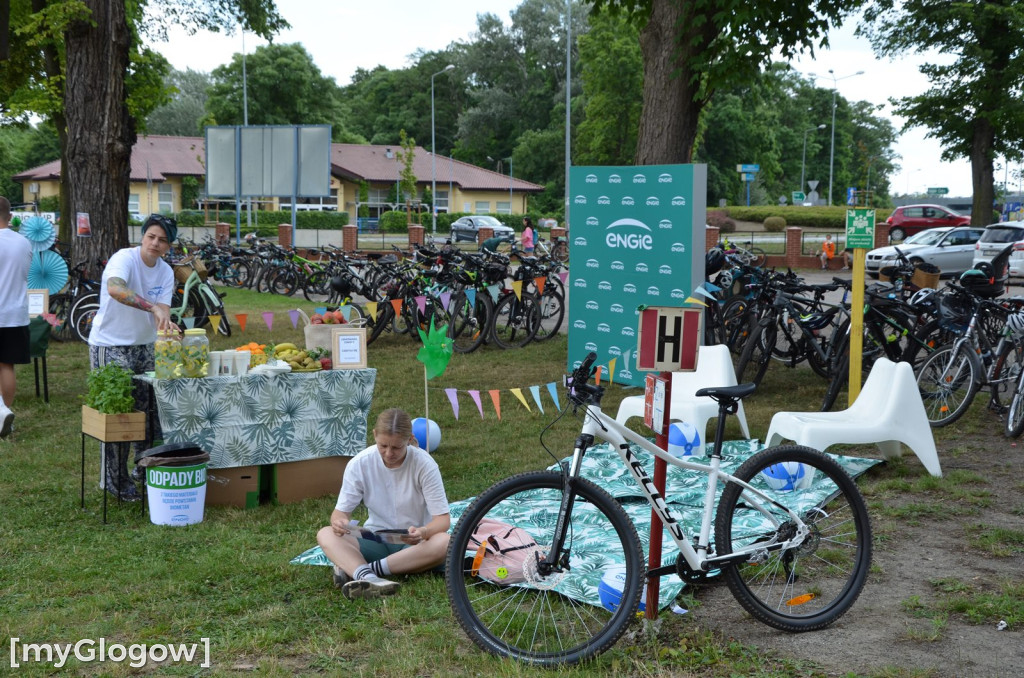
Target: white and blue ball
424,428
611,586
684,440
787,476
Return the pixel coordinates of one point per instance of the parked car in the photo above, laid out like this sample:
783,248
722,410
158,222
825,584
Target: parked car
466,228
950,248
910,219
995,239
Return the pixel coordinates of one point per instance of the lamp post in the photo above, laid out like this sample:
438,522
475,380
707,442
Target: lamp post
803,163
510,184
832,152
433,157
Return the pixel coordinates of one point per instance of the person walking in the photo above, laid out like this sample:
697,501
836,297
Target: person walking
15,259
528,235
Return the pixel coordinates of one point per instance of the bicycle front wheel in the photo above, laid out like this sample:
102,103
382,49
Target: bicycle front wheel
1015,412
795,582
948,381
536,620
756,354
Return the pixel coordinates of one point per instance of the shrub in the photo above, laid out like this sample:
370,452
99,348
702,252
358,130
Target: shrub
393,222
721,220
774,224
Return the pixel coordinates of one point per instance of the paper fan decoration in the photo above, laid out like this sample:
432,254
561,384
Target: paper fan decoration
40,233
47,270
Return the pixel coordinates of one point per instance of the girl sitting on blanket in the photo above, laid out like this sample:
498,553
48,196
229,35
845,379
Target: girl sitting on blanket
401,486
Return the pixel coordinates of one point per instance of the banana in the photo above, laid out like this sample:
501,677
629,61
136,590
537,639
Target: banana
287,346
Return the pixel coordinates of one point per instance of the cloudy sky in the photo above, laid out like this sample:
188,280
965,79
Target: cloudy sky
344,36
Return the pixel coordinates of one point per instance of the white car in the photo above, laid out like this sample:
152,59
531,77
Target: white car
996,238
948,247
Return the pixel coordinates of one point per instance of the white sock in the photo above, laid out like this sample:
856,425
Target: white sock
362,571
380,567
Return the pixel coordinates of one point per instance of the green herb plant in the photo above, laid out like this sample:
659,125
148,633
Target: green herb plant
110,390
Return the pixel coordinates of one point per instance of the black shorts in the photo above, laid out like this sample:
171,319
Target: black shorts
14,345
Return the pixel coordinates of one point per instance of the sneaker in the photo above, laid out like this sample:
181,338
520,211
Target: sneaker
341,577
128,494
370,586
6,422
138,474
845,268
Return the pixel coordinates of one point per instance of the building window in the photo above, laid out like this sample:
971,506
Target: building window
467,207
483,207
504,207
441,201
133,203
166,198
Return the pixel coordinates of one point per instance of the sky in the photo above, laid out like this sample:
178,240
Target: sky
344,36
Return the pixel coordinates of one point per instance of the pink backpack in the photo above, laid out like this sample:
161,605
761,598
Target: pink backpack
502,552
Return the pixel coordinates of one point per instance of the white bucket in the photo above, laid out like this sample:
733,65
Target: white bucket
177,494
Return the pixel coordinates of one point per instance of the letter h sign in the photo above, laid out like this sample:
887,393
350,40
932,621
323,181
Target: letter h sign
668,339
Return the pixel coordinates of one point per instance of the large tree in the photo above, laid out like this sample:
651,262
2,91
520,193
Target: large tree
81,64
185,113
973,106
691,48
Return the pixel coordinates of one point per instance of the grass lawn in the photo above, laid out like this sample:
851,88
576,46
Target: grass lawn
64,576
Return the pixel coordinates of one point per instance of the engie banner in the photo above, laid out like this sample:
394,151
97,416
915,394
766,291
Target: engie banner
636,239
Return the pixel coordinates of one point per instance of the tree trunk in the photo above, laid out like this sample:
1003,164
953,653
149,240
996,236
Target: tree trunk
671,107
982,174
100,131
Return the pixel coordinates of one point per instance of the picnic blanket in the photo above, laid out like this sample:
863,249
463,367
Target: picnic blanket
684,491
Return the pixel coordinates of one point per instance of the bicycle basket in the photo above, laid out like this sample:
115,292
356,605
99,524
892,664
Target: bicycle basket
183,271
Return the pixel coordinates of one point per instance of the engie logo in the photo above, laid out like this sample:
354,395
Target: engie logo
592,305
653,201
592,263
678,247
639,179
581,241
665,269
677,294
591,179
579,282
592,221
618,266
628,332
641,267
603,200
580,200
580,325
614,350
665,223
653,291
590,346
631,239
614,179
616,308
665,178
678,200
604,285
627,200
603,327
629,288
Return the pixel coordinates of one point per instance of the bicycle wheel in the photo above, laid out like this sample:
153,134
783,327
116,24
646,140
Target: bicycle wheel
194,308
82,315
809,583
534,621
840,376
560,252
1015,413
1004,375
757,256
469,321
735,324
235,273
552,312
515,321
757,354
383,321
317,284
948,381
284,282
60,306
215,306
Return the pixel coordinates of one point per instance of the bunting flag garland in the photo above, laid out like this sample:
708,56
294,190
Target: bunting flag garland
611,370
535,392
475,395
294,315
710,287
453,398
268,317
190,322
215,322
517,287
320,309
539,282
494,290
446,298
241,318
421,304
371,309
694,300
397,305
496,399
564,275
346,312
518,393
704,293
553,391
597,375
471,297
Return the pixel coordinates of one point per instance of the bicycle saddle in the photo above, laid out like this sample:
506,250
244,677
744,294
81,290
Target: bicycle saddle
727,394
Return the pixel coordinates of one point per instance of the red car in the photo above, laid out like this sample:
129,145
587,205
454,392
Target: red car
911,219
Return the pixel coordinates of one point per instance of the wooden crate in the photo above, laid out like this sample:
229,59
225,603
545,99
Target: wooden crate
113,428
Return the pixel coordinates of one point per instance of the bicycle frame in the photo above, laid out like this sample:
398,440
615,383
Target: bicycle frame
209,296
599,425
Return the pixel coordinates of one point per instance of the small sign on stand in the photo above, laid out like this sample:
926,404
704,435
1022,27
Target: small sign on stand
655,403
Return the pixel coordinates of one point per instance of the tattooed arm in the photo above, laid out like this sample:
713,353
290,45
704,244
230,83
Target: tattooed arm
120,292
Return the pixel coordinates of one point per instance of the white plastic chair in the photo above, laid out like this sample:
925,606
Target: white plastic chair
714,368
888,411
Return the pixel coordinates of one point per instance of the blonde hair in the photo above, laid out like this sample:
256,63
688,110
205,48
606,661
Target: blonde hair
394,422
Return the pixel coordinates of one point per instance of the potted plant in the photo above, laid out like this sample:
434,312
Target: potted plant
109,410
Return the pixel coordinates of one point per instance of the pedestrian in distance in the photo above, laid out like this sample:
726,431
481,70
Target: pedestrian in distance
15,259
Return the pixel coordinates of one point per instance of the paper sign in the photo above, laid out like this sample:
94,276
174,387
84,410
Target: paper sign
38,302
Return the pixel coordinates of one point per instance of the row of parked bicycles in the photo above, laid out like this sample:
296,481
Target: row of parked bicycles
962,338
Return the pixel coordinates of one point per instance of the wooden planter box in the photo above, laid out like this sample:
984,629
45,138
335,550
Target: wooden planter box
113,428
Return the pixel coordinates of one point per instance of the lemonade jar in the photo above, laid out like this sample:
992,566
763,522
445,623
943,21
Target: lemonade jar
167,355
195,353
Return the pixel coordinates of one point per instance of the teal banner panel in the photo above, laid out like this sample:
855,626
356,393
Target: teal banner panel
636,239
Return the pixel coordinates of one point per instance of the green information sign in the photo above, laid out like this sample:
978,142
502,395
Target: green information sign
799,197
860,229
938,190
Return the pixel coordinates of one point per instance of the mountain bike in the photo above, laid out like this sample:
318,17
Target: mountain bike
794,553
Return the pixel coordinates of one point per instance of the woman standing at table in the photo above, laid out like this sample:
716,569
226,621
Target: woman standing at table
135,297
401,486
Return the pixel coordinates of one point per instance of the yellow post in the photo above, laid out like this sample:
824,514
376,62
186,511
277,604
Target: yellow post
856,323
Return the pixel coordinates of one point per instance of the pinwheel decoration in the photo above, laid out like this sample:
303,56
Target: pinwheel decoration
40,233
436,350
47,270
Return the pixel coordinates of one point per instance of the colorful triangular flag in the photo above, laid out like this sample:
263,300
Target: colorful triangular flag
242,318
518,393
475,395
453,398
371,309
496,399
215,322
553,391
535,392
268,318
517,287
293,314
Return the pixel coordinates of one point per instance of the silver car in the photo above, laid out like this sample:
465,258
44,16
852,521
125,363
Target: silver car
996,238
948,247
465,228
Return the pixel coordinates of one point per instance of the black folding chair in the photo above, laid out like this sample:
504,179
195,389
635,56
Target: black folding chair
39,340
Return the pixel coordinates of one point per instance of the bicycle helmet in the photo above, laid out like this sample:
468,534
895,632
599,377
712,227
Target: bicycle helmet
341,285
922,297
1015,323
713,261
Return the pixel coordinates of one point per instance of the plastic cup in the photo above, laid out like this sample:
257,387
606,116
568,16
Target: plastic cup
215,358
241,362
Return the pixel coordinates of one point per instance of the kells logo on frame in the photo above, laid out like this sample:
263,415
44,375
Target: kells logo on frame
631,234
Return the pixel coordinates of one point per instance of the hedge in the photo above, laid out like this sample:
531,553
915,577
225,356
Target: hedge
795,215
327,221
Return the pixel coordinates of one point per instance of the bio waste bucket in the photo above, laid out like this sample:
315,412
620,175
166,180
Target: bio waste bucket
175,483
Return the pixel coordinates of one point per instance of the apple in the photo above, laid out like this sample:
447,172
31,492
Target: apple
325,363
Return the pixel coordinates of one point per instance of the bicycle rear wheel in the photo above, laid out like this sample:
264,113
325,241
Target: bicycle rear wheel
948,381
809,583
1015,412
515,321
534,621
469,321
757,353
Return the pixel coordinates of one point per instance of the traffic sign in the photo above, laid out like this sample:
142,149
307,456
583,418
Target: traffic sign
799,197
748,176
860,228
939,190
748,168
668,339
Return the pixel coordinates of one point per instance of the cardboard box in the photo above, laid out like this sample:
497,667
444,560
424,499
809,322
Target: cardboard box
238,486
298,480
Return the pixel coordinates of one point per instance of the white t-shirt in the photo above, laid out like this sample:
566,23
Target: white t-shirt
115,323
407,496
15,258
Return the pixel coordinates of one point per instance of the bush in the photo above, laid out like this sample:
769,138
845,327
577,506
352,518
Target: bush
721,220
774,224
393,222
265,221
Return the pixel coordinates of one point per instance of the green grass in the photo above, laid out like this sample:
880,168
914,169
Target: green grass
66,576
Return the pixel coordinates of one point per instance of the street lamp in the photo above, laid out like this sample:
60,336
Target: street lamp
832,152
803,163
433,157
